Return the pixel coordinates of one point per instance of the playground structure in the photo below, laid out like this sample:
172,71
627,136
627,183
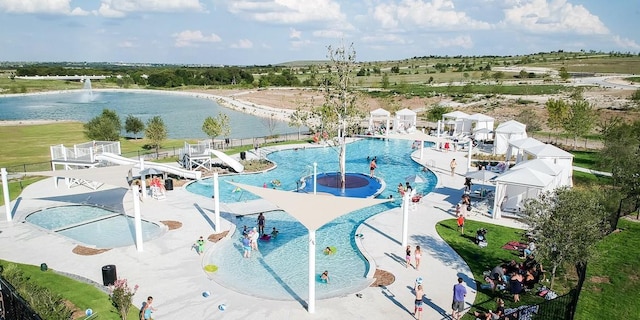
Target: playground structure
101,153
198,157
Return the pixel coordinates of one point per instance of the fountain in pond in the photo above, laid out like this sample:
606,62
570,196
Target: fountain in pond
87,92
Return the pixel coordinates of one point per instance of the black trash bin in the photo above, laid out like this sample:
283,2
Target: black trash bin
243,155
109,274
168,184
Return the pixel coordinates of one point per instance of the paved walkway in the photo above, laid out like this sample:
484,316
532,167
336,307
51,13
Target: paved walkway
171,272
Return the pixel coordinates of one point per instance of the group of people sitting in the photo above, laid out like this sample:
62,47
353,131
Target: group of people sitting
516,277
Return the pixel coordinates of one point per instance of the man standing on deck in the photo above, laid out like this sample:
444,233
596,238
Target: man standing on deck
459,292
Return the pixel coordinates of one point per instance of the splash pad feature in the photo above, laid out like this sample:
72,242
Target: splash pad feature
357,185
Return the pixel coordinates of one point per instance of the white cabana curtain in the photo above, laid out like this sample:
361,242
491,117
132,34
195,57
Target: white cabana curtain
379,115
505,132
406,119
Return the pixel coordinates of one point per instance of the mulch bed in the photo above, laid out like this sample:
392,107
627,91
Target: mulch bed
383,278
85,251
172,224
218,236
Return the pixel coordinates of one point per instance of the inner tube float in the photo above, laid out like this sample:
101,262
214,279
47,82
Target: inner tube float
265,237
275,182
333,251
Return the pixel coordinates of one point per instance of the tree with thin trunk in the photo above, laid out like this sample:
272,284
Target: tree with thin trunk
620,155
105,127
340,110
580,120
557,111
156,132
298,118
214,127
566,225
134,125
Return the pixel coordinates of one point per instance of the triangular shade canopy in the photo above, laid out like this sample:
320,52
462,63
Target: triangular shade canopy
526,177
380,112
511,126
313,211
114,176
414,136
406,112
548,151
541,165
525,143
455,115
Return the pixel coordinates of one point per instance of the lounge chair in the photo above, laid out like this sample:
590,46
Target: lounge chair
512,204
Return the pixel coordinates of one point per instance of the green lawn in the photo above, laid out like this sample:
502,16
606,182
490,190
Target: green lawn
585,159
612,287
484,259
82,295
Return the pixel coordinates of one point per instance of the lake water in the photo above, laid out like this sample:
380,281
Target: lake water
183,115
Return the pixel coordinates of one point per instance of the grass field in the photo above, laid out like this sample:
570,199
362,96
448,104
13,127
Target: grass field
485,259
613,279
83,295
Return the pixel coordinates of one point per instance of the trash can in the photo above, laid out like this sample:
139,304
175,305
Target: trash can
168,184
44,267
109,274
243,155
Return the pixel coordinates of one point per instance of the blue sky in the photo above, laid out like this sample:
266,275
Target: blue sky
247,32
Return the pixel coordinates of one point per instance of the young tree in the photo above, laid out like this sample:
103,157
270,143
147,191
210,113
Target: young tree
298,119
340,109
557,113
580,120
105,127
384,83
530,119
621,152
435,112
567,224
156,132
270,123
133,125
218,126
564,74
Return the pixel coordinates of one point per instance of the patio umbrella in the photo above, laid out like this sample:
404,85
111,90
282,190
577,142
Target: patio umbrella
483,175
150,171
414,178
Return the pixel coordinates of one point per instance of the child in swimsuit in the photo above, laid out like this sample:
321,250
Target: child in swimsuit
408,256
325,276
418,255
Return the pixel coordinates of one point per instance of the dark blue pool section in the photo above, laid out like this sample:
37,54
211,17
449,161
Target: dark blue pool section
357,185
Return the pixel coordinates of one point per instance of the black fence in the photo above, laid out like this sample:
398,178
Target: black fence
13,307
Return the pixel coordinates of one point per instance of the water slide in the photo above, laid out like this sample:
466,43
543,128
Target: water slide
231,162
114,158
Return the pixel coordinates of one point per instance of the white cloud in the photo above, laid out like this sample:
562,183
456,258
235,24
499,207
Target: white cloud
126,44
288,11
299,44
552,16
192,38
329,33
626,43
422,14
459,41
385,38
294,34
119,8
242,44
62,7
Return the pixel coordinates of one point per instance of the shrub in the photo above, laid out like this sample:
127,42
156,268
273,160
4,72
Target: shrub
122,296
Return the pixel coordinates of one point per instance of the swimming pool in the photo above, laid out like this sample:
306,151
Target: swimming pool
279,271
92,226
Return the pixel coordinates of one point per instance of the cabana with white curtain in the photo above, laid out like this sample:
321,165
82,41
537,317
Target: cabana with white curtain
378,118
519,146
515,186
479,122
505,132
545,166
405,120
557,156
462,124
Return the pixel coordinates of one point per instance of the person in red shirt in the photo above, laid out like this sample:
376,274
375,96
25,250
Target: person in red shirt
461,223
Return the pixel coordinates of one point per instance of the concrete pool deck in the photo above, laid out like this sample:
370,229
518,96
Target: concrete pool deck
170,271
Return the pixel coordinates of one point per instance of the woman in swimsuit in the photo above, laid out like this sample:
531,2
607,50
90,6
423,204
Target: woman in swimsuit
261,223
408,256
418,255
325,276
